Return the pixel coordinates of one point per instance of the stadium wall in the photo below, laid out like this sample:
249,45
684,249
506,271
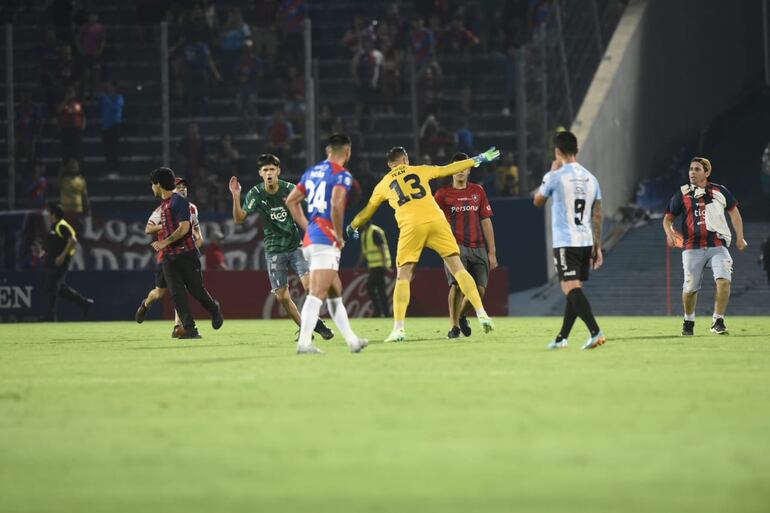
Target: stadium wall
669,69
242,294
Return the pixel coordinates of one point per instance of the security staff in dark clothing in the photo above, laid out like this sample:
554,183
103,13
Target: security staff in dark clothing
374,249
181,260
60,246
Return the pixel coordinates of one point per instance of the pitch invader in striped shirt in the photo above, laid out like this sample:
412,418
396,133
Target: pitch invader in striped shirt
576,226
702,205
469,214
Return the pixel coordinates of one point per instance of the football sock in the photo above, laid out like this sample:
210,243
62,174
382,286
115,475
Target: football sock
310,310
569,320
717,316
689,317
583,309
400,302
340,315
468,286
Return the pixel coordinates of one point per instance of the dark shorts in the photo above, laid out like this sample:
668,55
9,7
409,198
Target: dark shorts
476,262
572,263
160,279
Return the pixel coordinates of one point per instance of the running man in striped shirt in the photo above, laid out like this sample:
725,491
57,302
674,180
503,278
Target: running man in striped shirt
467,209
576,225
705,238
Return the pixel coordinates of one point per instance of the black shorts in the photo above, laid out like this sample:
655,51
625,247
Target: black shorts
572,263
160,279
476,262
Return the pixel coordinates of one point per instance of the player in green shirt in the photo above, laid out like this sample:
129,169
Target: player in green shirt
282,239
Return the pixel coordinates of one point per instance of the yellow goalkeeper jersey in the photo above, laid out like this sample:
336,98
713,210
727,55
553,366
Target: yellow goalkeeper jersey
407,189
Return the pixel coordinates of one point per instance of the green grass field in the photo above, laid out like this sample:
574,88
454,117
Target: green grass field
119,417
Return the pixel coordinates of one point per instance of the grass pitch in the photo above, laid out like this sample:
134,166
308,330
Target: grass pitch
119,417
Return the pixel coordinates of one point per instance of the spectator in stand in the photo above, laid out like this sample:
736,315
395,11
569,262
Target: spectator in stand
28,124
68,73
435,140
291,18
197,64
294,105
325,120
72,124
457,41
464,138
191,152
226,158
48,65
111,107
507,176
429,90
215,257
90,42
34,260
391,78
353,37
37,192
422,43
278,135
73,194
265,31
396,26
236,35
366,69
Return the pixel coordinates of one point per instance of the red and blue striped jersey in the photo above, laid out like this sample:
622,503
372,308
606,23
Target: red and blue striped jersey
464,209
173,211
317,184
690,202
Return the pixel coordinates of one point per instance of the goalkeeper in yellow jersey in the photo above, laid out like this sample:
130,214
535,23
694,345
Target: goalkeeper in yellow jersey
421,223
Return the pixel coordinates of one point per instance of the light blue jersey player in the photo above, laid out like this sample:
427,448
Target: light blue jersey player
324,188
576,223
574,190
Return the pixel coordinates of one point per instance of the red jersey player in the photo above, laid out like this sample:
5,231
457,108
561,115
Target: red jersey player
467,209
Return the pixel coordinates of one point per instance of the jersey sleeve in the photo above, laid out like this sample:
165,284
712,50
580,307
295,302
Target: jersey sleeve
194,216
155,217
440,198
251,202
547,187
180,209
675,205
485,209
301,184
343,179
377,198
730,200
598,189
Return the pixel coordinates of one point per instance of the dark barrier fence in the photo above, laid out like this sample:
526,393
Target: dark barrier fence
243,294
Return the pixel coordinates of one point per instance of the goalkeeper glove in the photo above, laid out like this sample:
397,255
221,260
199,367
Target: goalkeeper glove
352,233
488,156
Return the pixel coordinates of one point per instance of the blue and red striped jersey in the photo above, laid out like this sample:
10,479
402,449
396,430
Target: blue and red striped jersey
173,211
691,203
317,184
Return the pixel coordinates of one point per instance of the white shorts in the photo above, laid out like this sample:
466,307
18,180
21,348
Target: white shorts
322,256
694,261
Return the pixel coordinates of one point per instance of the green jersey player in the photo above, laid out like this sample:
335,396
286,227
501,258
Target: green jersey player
282,239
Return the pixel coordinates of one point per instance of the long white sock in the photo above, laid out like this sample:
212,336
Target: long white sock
717,316
309,318
340,315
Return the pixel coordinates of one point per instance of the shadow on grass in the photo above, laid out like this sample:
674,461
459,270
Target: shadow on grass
192,346
214,360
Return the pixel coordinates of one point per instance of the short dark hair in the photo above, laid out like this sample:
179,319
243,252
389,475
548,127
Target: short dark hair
396,153
339,141
566,142
268,159
163,176
55,209
457,157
